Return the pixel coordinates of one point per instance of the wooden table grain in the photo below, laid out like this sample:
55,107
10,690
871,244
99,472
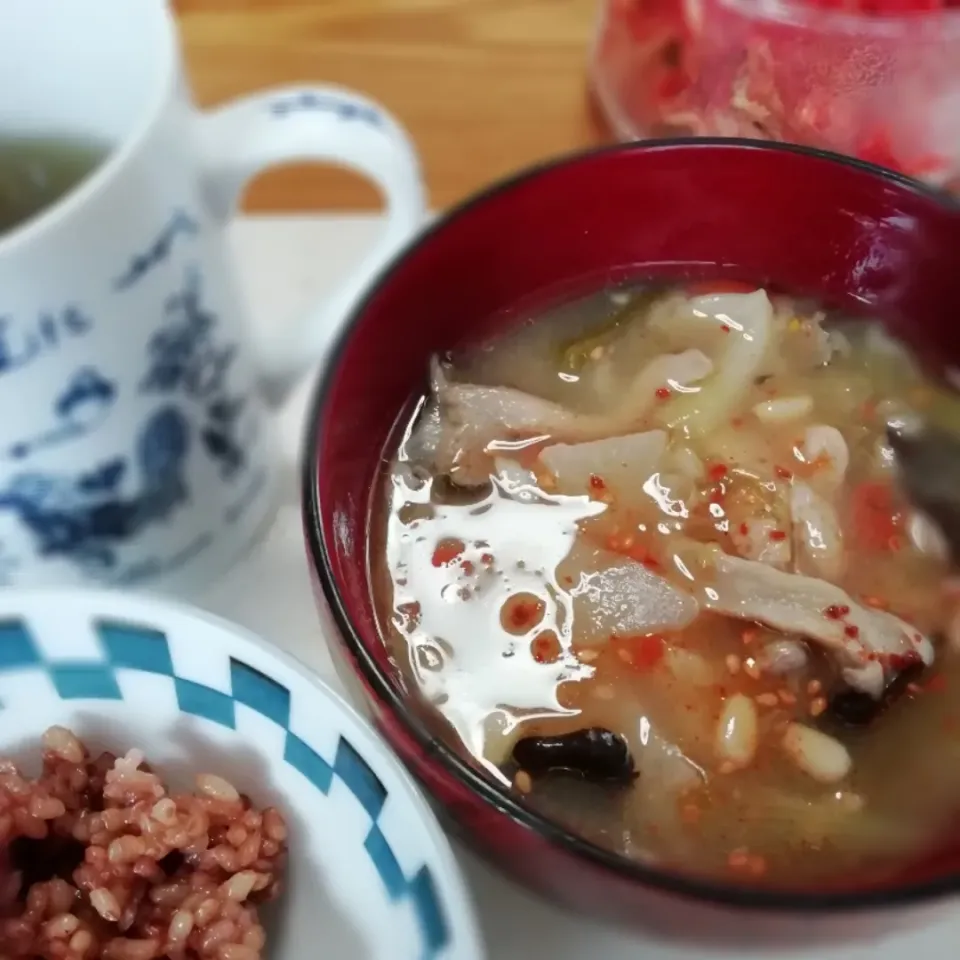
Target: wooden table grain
484,86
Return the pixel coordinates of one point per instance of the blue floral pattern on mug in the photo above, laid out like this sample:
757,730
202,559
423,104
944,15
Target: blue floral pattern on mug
82,406
197,424
186,358
340,107
85,515
180,224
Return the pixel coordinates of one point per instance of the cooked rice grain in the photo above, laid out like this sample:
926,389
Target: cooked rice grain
132,872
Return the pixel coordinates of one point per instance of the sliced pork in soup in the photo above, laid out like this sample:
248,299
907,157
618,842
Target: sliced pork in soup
659,561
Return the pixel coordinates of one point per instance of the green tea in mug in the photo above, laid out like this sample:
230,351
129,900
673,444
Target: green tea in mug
36,171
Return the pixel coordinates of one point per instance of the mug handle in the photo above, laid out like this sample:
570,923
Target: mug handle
330,125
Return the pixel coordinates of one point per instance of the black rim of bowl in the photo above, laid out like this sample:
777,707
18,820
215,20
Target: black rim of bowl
690,886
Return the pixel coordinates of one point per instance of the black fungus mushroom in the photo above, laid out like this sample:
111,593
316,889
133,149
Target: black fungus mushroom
854,708
594,754
928,461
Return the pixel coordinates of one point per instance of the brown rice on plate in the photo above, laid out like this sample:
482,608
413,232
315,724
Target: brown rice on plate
99,860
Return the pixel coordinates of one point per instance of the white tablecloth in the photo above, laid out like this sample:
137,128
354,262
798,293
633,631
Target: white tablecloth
286,263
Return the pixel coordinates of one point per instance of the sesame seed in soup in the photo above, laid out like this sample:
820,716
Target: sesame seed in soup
650,560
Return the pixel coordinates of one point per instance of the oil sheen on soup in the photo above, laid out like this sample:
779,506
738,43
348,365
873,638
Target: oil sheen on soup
649,559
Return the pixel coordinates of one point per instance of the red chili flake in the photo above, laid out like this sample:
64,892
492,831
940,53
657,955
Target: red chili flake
596,483
736,423
901,661
835,612
852,631
645,652
876,518
744,530
487,559
545,647
467,567
783,473
662,393
717,472
777,535
716,496
725,327
446,552
523,613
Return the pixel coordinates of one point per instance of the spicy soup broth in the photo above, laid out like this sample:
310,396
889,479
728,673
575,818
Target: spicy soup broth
647,558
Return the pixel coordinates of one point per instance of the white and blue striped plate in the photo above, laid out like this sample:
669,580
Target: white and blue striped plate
371,874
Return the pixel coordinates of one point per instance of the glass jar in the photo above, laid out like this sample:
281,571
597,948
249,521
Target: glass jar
883,84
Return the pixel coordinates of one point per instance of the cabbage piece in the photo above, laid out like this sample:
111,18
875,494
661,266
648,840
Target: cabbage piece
623,464
685,462
616,596
752,540
663,764
673,371
824,447
816,534
576,353
779,411
678,323
748,318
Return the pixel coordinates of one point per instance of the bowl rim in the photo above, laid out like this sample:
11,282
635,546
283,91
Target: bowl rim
485,789
169,613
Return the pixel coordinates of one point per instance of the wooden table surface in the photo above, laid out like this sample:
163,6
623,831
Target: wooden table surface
484,86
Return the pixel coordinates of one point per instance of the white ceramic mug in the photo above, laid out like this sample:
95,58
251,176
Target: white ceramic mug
135,440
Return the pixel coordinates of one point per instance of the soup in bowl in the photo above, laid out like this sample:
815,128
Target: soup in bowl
618,488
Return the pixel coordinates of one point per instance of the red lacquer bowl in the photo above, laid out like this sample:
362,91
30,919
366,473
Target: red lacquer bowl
796,219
